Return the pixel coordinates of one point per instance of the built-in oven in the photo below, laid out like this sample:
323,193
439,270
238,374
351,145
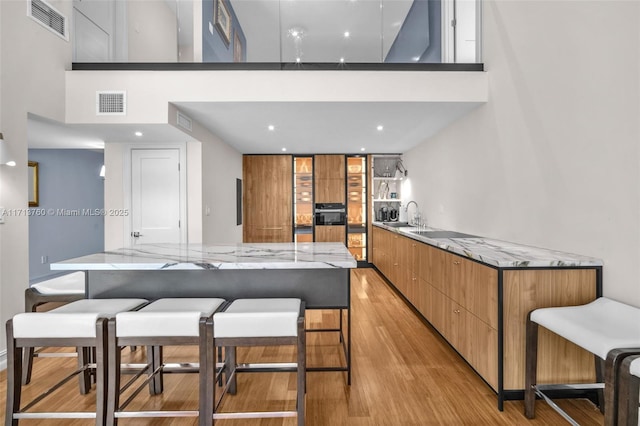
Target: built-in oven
330,214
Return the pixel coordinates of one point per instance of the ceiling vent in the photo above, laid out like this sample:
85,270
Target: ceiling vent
111,103
47,16
184,122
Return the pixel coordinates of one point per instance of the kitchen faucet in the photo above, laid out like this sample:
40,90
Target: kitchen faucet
415,214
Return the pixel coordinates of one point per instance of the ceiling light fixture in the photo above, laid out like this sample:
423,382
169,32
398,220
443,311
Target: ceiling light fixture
5,157
363,149
138,134
346,34
271,127
342,60
380,127
298,59
284,149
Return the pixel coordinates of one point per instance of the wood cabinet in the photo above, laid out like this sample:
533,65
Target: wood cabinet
471,304
329,178
267,197
331,234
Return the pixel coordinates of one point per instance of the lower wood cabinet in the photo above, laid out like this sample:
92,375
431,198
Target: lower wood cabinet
472,304
331,234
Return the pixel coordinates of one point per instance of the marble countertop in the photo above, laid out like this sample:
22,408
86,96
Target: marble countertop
216,256
499,253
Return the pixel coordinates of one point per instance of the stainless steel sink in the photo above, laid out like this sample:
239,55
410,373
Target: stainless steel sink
397,224
443,234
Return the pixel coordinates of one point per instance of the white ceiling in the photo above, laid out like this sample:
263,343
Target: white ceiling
300,127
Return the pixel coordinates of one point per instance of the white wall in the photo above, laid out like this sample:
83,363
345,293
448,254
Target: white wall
220,166
552,159
25,87
152,32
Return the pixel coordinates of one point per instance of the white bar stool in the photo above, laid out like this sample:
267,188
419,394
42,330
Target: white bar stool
598,327
628,393
81,323
63,289
171,321
260,322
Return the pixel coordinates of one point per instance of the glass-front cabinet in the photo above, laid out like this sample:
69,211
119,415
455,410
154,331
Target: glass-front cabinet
357,207
303,199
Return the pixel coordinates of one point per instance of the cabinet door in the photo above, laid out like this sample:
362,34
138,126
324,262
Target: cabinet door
267,198
267,234
329,166
330,234
329,177
430,265
473,286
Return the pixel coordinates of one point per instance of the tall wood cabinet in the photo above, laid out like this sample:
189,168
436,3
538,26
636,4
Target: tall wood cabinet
473,304
267,194
329,178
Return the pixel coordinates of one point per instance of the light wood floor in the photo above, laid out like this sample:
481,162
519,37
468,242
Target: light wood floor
404,373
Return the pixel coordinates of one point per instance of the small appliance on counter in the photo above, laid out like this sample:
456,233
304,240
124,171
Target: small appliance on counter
393,215
383,214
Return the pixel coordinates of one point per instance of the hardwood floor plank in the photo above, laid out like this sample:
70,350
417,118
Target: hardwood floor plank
404,373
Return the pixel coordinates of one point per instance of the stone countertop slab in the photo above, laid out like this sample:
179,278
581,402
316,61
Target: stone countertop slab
215,256
498,253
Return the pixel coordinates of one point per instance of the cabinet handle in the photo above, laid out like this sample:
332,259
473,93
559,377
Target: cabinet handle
456,262
271,228
395,264
456,311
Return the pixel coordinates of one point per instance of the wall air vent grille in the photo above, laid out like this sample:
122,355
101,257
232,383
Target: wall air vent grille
111,103
184,122
47,16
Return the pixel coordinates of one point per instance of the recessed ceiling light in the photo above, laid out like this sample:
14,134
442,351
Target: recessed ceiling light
346,34
138,134
363,149
284,149
380,127
271,127
341,60
298,60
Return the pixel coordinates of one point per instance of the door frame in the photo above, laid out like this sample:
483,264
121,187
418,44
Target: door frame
126,184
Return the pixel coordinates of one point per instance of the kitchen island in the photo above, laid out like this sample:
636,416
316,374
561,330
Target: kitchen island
476,292
318,273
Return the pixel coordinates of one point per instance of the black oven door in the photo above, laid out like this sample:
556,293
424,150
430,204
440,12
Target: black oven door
330,214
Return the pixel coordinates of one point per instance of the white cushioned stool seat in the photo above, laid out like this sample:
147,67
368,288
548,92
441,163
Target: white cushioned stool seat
167,317
72,283
258,318
598,327
75,319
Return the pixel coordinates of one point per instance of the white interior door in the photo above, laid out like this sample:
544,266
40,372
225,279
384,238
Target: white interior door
155,196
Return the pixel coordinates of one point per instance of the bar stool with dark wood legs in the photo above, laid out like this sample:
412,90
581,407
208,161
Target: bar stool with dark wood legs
64,289
260,322
171,321
82,324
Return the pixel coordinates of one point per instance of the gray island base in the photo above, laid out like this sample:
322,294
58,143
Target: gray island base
318,273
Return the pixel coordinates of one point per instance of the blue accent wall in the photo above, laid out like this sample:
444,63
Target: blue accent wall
214,49
68,180
420,34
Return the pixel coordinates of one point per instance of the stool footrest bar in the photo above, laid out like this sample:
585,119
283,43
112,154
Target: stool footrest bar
255,415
